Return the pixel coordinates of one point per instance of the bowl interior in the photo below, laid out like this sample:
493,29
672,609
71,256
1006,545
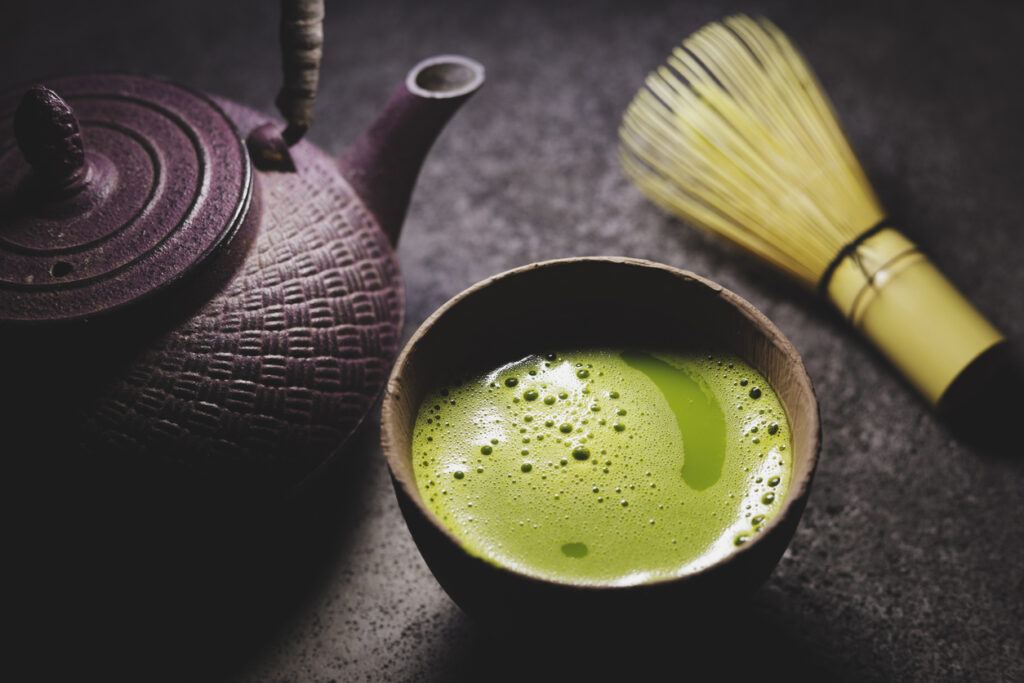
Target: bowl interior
589,302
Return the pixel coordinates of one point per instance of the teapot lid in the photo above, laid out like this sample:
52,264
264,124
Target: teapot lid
110,191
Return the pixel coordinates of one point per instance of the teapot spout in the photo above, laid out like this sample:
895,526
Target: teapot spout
383,163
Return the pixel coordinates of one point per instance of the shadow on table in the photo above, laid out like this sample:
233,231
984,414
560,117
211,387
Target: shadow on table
755,641
178,602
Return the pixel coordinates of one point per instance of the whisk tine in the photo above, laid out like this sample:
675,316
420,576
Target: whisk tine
734,134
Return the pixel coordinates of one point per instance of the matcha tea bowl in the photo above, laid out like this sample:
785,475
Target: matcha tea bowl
596,437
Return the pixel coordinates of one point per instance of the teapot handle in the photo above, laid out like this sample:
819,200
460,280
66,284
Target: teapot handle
302,39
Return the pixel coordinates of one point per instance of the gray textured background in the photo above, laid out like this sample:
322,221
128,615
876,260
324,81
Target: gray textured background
908,562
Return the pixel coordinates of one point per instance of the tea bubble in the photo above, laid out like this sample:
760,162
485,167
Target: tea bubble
581,453
531,395
511,382
486,450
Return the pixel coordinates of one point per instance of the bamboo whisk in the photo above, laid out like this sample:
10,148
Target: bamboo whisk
735,135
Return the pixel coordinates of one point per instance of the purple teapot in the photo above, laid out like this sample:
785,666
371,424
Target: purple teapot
191,296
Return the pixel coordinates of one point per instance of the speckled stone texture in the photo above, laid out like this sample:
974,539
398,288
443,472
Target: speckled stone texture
908,562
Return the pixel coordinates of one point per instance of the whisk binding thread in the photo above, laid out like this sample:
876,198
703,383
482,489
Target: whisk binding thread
851,250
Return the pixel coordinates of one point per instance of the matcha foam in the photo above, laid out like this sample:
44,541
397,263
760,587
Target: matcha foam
604,467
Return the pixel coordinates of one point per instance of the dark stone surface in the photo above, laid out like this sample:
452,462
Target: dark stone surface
907,564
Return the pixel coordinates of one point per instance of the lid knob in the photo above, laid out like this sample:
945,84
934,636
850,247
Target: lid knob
49,138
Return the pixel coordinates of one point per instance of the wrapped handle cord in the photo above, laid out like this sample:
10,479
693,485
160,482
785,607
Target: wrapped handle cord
302,40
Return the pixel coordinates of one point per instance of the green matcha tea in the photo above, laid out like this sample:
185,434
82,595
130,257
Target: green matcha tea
604,466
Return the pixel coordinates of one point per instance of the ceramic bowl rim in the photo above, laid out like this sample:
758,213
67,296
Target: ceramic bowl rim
792,504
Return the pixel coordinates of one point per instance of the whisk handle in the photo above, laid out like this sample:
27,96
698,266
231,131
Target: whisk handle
897,297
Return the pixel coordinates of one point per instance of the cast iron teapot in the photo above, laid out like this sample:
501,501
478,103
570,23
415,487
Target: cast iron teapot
182,306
